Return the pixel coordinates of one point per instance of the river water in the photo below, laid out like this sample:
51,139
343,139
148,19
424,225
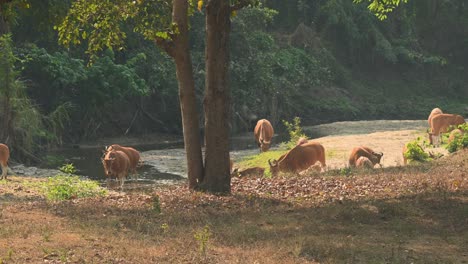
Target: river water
164,162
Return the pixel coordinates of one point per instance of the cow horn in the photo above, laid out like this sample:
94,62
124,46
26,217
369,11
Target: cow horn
269,162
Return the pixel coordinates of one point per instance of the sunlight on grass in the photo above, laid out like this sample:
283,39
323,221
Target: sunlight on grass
261,160
63,187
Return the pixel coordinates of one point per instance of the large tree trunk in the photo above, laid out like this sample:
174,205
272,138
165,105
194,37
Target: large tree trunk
217,98
179,50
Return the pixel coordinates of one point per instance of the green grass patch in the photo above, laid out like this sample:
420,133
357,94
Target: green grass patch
261,160
63,187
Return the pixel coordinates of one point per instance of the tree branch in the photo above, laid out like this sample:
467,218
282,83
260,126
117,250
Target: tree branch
241,4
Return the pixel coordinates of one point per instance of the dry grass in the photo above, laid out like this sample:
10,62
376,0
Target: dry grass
414,214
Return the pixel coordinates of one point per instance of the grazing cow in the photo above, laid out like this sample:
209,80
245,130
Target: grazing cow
4,157
454,134
441,124
116,163
434,112
299,158
253,171
358,152
133,155
364,162
263,133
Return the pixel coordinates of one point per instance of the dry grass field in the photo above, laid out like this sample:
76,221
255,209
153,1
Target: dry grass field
412,214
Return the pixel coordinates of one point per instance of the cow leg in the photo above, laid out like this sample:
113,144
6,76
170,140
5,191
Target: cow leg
4,171
122,180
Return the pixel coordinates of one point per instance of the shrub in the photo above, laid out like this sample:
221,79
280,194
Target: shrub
459,142
414,152
68,168
62,187
295,132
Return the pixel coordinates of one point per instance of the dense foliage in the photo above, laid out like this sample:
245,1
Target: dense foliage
460,141
319,60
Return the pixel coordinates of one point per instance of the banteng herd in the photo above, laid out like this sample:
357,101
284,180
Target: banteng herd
119,161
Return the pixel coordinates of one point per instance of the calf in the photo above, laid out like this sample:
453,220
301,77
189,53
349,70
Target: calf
116,163
454,134
4,157
364,162
253,171
362,151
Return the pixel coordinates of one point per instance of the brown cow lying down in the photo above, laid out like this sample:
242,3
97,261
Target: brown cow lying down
441,124
132,154
434,112
253,171
455,133
263,133
364,163
4,156
116,163
362,151
299,158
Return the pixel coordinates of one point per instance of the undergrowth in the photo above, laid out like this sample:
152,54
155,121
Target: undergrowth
460,141
64,187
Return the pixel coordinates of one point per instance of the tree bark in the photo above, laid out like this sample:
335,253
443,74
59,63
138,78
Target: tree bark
188,103
217,97
4,25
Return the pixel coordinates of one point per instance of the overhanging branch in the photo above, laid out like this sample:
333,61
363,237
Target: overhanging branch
241,4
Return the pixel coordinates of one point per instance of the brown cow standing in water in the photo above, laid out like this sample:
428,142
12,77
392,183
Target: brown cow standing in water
299,158
362,151
263,134
4,157
132,154
116,163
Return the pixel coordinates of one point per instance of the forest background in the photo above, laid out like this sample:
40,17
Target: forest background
322,61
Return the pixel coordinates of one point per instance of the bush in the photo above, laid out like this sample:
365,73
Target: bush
459,142
295,132
62,187
414,152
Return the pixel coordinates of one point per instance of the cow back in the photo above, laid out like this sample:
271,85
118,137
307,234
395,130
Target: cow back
434,112
4,154
132,154
442,122
263,133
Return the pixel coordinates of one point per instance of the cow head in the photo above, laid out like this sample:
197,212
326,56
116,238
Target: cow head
274,168
107,162
264,145
378,156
